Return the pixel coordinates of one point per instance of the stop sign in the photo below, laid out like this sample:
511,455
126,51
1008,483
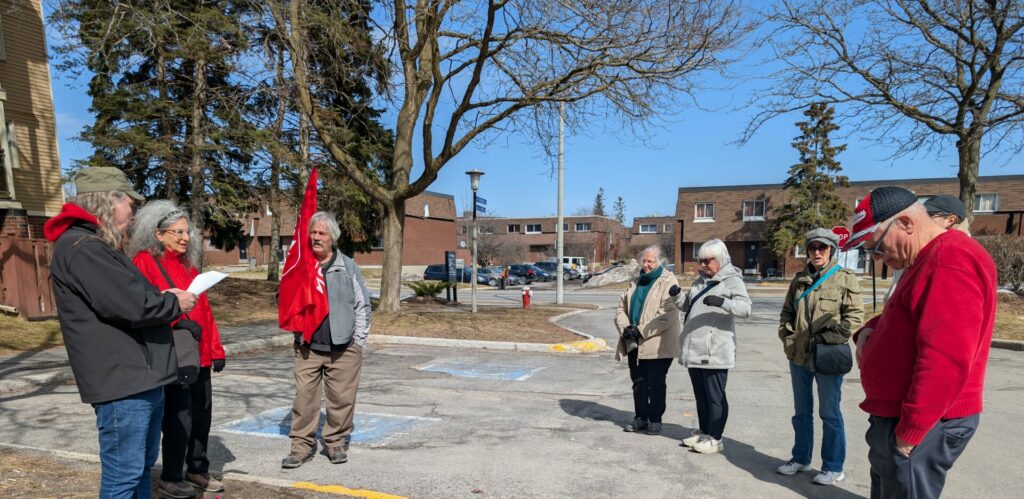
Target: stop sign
843,233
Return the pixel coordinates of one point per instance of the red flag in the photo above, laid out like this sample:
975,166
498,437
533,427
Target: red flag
302,300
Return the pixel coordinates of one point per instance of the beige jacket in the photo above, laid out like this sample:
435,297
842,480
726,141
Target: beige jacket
659,320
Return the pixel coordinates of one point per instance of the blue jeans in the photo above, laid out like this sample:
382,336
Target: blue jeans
830,393
129,431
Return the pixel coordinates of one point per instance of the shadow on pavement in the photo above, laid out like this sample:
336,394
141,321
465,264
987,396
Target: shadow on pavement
741,455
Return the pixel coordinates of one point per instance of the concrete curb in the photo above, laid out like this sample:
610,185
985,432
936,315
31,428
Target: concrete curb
1014,345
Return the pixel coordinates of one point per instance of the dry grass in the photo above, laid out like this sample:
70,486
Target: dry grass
20,335
1010,318
36,474
237,302
488,324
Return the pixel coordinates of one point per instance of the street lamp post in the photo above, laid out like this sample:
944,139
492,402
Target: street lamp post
474,183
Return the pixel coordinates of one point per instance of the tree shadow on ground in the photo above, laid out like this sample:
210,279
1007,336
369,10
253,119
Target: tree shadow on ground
741,455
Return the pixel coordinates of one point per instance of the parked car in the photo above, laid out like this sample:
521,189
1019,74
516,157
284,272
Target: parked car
542,275
552,268
526,271
493,274
437,273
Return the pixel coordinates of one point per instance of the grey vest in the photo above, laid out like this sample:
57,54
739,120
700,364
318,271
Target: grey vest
341,299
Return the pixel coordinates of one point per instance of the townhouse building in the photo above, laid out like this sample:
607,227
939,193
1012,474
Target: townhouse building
530,239
738,215
658,230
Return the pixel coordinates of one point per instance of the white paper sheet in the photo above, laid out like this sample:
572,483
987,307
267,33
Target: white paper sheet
205,281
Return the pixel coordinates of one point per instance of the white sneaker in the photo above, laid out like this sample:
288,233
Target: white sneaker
828,477
792,467
708,445
692,440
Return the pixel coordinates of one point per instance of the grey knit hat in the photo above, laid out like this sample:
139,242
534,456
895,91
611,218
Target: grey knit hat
823,236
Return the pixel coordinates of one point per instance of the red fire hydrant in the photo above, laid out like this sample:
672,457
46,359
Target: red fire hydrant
526,296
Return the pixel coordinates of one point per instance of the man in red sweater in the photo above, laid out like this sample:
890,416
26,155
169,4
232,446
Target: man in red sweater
922,362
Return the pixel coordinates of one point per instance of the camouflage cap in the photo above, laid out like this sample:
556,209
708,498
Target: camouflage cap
104,179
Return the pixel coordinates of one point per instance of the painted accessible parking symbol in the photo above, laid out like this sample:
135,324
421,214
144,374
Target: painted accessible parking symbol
371,429
483,370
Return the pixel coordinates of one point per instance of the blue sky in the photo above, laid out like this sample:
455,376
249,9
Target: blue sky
692,147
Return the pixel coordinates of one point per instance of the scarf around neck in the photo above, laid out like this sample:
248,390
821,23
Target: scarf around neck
643,286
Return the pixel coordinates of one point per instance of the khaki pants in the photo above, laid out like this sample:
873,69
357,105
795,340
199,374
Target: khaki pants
339,372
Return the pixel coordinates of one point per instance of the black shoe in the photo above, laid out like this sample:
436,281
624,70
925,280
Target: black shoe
337,455
654,429
295,460
638,424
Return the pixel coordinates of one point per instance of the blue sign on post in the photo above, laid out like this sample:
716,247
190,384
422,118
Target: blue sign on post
481,201
481,209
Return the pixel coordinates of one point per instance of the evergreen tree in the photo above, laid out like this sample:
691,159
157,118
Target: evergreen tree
599,203
620,210
811,189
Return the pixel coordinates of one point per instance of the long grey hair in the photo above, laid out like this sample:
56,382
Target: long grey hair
159,215
101,206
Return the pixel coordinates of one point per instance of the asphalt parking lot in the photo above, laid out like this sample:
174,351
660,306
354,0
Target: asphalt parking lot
448,422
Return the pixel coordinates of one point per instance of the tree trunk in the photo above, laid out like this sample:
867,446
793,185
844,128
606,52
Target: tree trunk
170,163
196,144
969,150
273,270
391,278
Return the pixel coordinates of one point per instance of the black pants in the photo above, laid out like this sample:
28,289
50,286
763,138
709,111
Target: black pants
923,474
188,412
648,377
712,404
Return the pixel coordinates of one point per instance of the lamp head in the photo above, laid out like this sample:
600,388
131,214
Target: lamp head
474,178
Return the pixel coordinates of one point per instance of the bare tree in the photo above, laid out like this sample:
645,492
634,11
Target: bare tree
951,70
468,70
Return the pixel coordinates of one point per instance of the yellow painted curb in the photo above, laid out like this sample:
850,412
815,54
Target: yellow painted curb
340,490
582,346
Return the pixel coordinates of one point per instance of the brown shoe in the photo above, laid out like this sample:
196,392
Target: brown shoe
337,454
294,460
204,481
178,490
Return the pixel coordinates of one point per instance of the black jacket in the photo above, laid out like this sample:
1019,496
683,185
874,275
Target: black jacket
115,323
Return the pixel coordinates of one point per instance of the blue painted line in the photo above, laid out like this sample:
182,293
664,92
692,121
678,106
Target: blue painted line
480,370
370,429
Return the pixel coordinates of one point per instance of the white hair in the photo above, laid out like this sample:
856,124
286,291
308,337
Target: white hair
716,249
330,222
656,249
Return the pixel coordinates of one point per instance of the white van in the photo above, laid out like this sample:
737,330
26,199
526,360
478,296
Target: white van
579,263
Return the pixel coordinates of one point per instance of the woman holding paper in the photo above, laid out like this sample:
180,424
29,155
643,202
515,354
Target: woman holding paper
165,247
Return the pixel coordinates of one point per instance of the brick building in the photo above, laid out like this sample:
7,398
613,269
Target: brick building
512,240
429,232
30,183
738,216
653,230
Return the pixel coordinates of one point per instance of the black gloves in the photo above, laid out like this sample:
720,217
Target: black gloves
631,333
192,327
674,290
714,301
218,365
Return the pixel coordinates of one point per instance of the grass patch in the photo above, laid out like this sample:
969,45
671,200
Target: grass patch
488,324
239,301
19,335
1010,318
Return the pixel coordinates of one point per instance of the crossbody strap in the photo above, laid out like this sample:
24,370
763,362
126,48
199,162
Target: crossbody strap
818,283
167,277
695,298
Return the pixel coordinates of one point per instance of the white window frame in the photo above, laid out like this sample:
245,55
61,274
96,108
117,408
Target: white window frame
695,251
582,226
666,228
653,228
799,251
517,228
12,144
995,202
529,231
700,219
754,218
378,243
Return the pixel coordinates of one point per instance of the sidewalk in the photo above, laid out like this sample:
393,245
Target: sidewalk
26,370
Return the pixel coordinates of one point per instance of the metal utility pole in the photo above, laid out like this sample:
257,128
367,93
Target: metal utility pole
560,237
474,183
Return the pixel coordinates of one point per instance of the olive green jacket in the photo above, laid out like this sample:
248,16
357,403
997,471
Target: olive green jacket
829,314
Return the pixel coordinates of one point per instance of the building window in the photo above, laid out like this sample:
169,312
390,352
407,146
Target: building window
486,229
565,227
704,212
666,228
798,251
753,211
513,228
426,210
583,227
648,228
533,228
695,250
378,243
986,203
464,229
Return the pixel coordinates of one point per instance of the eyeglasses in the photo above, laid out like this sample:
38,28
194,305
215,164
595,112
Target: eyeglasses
817,247
876,252
179,233
705,261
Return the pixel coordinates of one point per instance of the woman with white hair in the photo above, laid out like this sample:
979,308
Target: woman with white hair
648,320
165,248
711,307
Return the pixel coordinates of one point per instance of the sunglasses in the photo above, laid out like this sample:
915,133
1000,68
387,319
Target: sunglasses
876,251
817,247
705,261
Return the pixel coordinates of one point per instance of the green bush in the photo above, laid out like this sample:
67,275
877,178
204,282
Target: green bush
1008,253
427,288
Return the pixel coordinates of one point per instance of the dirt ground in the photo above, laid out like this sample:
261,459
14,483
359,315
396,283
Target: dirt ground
436,320
237,302
35,474
1010,318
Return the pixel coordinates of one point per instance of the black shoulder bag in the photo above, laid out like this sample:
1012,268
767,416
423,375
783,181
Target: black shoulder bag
186,335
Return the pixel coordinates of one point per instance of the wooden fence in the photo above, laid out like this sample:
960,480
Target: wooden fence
25,277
